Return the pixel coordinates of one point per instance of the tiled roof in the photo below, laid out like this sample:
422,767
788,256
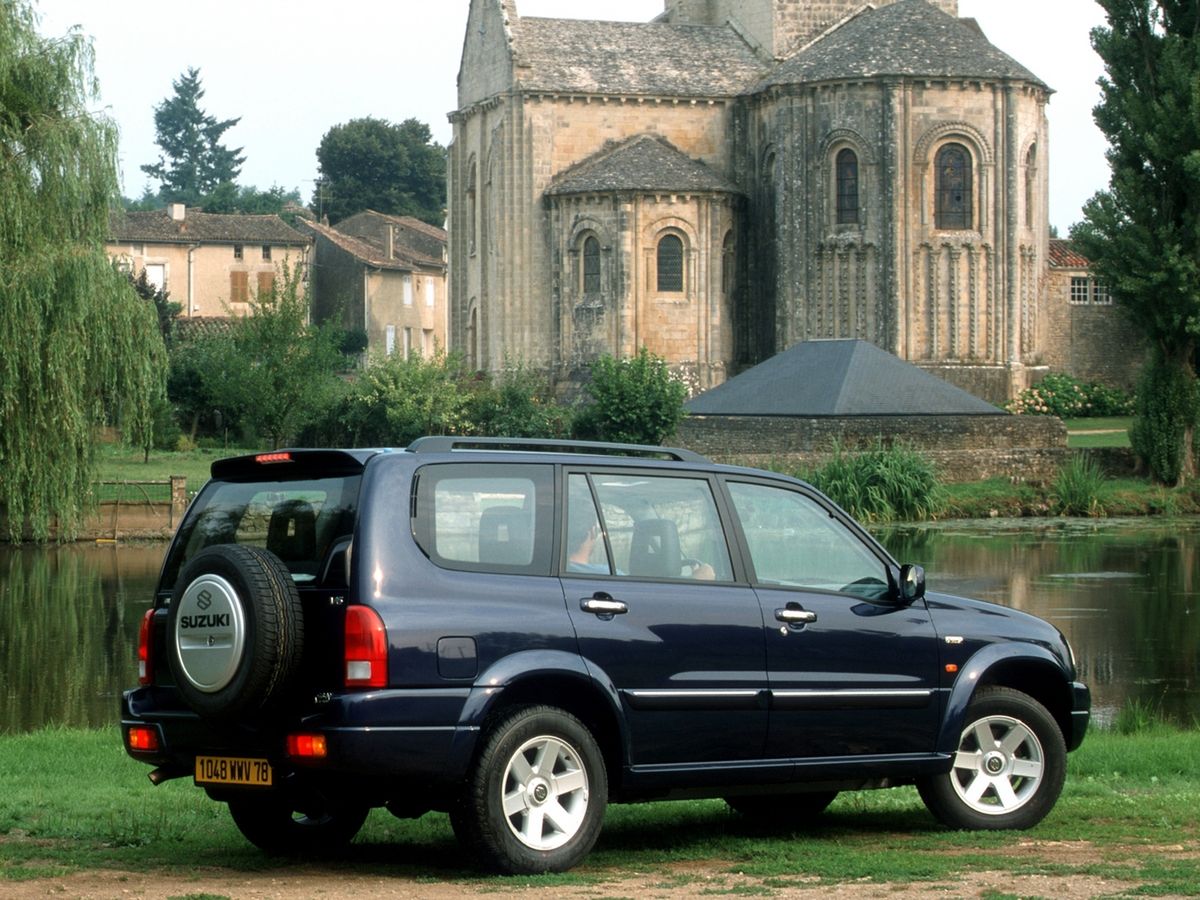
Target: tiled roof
372,253
626,58
158,227
194,328
837,378
905,38
1064,256
418,238
642,163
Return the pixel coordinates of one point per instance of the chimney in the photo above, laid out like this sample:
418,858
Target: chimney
177,211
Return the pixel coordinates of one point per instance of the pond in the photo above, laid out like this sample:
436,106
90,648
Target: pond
1124,593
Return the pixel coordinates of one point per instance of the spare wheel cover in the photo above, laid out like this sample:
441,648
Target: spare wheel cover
210,633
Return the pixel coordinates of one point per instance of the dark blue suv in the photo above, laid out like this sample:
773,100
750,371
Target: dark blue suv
519,634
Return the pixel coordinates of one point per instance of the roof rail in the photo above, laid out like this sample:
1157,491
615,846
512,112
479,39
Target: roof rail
444,444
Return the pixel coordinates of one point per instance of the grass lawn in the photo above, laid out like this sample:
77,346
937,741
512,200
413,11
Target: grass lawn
72,801
120,463
1110,432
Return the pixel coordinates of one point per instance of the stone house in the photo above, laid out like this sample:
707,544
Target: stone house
384,276
740,175
210,264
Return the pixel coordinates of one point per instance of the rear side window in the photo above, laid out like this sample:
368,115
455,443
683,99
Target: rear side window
299,521
486,518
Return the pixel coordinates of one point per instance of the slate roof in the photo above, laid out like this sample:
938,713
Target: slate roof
641,163
157,227
372,253
1064,256
905,38
837,378
565,56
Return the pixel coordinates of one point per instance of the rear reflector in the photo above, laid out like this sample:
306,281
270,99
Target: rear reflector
307,746
145,648
141,738
366,648
267,458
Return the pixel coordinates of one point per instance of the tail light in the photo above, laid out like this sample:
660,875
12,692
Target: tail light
146,648
366,648
307,746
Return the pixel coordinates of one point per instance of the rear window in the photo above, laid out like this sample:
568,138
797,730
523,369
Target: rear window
300,521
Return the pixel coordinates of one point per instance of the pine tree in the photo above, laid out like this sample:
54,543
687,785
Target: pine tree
1143,233
77,346
194,162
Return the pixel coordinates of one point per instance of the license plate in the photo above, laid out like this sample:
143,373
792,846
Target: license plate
236,770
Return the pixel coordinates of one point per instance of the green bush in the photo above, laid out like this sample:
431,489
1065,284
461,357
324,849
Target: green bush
882,484
634,401
1069,398
1168,402
1080,488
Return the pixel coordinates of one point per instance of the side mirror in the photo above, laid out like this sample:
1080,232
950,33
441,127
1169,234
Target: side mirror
912,583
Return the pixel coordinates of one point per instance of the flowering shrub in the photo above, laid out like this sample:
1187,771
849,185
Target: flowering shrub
1070,398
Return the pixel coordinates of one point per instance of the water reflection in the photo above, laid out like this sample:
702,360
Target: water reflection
69,620
1124,592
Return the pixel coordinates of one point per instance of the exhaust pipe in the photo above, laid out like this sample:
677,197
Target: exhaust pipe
158,776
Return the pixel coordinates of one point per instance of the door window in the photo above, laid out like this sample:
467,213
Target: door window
796,542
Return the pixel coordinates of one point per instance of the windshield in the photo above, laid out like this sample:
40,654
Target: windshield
299,521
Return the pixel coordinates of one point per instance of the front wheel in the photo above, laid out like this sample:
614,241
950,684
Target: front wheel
535,800
1008,769
281,827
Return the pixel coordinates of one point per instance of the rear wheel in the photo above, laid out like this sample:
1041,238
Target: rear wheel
782,810
535,800
282,827
1008,769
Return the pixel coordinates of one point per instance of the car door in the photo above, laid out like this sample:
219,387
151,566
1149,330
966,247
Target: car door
852,670
659,614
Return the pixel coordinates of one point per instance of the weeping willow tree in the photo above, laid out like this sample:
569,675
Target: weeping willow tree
77,346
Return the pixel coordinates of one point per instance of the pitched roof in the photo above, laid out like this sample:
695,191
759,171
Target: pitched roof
837,378
641,163
158,227
627,58
905,38
1063,255
372,252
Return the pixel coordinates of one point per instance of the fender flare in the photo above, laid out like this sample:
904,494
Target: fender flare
975,671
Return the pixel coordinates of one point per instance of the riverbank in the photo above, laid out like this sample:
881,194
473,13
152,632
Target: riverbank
78,817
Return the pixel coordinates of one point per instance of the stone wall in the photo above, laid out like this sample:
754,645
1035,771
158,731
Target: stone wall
1093,342
964,448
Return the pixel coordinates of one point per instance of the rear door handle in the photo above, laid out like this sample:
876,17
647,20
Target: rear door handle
796,616
603,605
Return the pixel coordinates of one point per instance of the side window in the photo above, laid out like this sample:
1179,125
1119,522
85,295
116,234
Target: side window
660,527
484,518
795,542
585,548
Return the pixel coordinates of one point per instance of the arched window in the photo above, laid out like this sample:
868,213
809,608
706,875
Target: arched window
954,194
847,187
1030,184
591,265
670,264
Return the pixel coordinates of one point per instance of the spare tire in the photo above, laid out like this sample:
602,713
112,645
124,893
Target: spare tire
235,632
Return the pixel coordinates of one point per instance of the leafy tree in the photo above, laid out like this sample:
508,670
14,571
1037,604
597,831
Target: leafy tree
273,370
79,347
193,162
231,198
634,401
164,308
1143,233
372,164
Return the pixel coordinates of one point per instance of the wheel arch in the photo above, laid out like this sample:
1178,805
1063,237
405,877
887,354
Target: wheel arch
561,680
1027,668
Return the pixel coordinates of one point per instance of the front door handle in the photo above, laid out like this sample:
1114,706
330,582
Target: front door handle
603,605
796,616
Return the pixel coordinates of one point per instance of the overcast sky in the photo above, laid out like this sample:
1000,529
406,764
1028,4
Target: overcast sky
292,69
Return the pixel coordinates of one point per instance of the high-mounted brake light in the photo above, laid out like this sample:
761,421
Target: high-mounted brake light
146,648
142,738
366,648
306,746
268,458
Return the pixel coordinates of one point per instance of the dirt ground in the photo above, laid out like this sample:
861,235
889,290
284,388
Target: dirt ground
714,877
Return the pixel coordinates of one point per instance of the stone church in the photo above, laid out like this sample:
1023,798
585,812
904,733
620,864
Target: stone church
740,175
